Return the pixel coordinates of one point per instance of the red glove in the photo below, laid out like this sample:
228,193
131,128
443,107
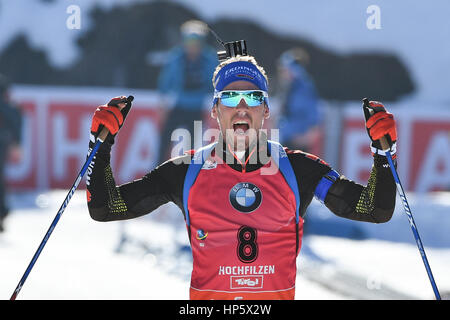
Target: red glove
109,115
380,123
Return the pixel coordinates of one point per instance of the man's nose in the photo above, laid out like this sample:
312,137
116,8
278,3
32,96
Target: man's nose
242,104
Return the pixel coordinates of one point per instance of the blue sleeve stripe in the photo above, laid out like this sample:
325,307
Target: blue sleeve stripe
281,159
324,185
191,175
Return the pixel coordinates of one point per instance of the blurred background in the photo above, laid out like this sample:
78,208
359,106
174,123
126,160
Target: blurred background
60,59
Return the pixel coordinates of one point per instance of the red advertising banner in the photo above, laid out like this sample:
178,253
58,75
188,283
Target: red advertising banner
56,136
22,173
57,124
423,148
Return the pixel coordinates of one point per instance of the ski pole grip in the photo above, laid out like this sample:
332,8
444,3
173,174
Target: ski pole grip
383,141
104,132
384,144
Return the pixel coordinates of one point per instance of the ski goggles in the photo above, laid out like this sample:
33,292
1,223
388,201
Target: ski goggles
232,98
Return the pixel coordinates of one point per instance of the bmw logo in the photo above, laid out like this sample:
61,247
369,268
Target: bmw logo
245,197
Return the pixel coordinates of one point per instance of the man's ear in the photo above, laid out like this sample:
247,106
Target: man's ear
214,112
266,111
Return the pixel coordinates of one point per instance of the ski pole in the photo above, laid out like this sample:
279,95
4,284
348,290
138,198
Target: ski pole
100,139
385,147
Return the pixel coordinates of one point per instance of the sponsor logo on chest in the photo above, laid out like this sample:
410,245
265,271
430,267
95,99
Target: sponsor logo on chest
245,197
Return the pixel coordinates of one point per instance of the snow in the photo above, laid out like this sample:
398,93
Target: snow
78,261
81,258
382,263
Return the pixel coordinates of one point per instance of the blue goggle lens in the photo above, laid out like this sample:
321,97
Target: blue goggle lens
252,98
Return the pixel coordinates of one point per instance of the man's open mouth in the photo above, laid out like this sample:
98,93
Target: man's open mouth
240,126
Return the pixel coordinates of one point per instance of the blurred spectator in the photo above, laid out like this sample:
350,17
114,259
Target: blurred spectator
299,111
186,77
10,135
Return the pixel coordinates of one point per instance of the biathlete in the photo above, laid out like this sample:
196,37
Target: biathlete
243,197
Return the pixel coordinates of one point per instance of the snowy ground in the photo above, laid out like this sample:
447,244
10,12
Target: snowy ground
82,259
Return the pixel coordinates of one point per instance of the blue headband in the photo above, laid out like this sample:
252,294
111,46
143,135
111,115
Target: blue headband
239,71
